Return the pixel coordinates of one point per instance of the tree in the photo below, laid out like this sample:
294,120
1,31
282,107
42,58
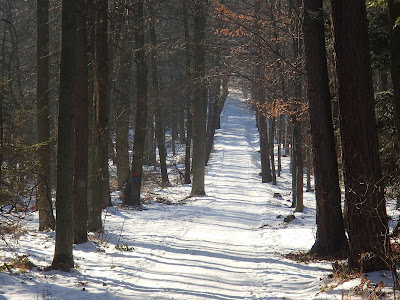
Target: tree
188,93
367,225
123,89
297,137
132,188
200,100
159,128
330,239
394,21
44,202
81,129
63,257
260,97
100,190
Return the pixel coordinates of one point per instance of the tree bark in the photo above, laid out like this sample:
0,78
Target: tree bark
330,238
200,100
81,129
159,126
266,175
271,144
394,15
43,200
188,94
122,121
99,193
63,257
367,228
132,189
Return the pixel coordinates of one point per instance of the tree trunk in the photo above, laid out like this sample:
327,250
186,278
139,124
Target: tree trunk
181,124
132,189
43,200
211,116
122,121
99,193
271,144
368,228
330,238
308,169
150,146
188,93
298,139
280,127
173,132
63,257
159,126
394,15
200,100
216,106
266,175
293,167
81,129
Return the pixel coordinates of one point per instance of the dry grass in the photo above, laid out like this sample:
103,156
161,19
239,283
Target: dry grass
19,263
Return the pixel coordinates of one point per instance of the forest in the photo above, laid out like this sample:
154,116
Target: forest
261,136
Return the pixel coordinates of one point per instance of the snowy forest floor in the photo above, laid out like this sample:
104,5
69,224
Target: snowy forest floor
229,244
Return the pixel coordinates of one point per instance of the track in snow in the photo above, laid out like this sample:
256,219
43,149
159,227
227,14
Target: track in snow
212,247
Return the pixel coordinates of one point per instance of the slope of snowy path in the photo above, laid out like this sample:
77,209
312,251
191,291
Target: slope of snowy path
215,249
225,245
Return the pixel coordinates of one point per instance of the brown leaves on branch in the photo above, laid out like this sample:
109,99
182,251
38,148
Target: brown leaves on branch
278,107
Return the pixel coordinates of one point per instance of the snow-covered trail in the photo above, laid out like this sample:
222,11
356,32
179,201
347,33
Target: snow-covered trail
225,245
213,247
214,253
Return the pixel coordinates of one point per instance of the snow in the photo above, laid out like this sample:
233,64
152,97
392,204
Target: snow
228,244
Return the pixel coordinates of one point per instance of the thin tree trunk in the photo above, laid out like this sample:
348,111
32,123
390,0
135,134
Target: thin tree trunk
150,150
309,169
81,130
280,127
266,175
293,167
200,100
132,190
173,132
43,200
298,140
271,144
63,257
159,126
181,124
188,94
212,116
122,121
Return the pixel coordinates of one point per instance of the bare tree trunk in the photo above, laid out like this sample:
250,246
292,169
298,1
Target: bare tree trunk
122,121
280,127
293,168
159,126
81,129
266,175
132,189
100,192
394,15
368,230
63,257
200,100
188,94
271,144
181,123
43,200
